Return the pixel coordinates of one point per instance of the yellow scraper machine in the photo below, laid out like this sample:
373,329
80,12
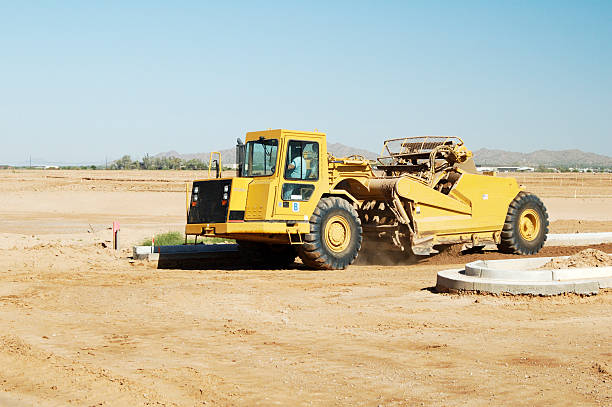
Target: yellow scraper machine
290,198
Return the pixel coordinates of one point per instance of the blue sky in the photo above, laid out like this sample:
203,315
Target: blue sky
81,81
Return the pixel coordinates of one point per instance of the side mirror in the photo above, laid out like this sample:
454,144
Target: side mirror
240,158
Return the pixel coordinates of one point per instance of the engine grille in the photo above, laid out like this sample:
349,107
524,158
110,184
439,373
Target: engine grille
206,204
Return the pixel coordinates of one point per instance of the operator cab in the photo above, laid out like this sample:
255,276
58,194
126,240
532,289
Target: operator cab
285,169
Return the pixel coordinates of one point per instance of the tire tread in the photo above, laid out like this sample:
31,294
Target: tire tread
312,252
511,242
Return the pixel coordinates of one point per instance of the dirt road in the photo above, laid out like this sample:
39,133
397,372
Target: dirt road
80,326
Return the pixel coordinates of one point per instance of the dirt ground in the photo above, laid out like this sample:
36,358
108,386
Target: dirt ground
82,326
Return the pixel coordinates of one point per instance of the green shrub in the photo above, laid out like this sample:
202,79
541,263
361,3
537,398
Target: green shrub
177,238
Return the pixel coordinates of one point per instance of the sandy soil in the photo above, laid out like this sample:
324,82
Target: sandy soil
80,325
566,185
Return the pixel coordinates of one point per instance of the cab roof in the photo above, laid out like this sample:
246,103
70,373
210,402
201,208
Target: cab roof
251,135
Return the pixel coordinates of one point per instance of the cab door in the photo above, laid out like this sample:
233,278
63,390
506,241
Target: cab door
261,161
300,183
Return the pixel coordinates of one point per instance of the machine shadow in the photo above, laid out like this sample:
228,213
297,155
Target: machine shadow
225,261
209,258
236,261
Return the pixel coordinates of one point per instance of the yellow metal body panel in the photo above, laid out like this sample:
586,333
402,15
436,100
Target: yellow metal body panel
414,190
484,198
489,196
260,198
229,228
238,195
301,209
353,173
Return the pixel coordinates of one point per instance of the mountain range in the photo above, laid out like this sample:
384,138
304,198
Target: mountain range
228,156
546,158
484,157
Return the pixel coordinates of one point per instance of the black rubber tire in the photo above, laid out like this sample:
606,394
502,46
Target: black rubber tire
511,239
264,254
315,253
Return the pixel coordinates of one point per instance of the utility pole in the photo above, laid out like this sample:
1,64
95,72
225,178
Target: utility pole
30,162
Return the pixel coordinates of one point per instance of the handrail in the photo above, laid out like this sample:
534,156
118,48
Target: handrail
423,145
218,175
426,143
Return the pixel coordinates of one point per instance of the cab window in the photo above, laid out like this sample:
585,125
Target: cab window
302,160
297,192
261,157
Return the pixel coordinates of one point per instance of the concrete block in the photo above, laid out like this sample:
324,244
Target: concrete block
474,269
141,252
530,288
605,282
516,264
453,279
586,287
521,276
582,273
494,271
517,275
578,239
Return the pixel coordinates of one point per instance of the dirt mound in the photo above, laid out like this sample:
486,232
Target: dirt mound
451,255
584,258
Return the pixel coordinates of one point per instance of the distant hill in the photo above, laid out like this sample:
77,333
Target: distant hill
484,157
228,156
340,150
546,158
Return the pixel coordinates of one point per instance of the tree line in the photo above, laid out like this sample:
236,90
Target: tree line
127,163
158,163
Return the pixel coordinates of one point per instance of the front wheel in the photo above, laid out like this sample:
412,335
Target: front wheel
526,225
335,235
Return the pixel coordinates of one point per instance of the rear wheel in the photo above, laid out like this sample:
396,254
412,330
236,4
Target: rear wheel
526,225
335,235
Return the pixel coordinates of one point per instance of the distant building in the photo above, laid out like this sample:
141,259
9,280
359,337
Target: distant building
506,169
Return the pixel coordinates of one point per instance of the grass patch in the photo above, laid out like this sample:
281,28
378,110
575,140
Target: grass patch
177,238
166,239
